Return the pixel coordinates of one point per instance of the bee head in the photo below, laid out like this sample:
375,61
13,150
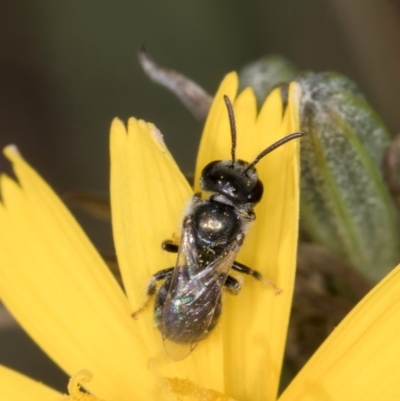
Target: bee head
237,180
233,180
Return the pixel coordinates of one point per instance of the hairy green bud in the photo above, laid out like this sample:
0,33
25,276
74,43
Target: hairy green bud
345,204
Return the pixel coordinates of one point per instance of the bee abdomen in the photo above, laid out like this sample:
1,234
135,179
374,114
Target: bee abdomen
185,318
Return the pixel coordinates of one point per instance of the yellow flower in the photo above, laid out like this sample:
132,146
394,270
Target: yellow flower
57,286
148,195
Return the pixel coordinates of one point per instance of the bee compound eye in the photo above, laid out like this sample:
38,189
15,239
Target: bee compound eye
208,181
207,170
256,193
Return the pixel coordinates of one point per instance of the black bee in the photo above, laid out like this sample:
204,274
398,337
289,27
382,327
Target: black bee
188,304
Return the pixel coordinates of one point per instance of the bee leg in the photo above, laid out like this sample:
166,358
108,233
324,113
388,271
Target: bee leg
152,287
232,285
170,246
255,274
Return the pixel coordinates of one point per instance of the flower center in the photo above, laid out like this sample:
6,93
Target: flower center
74,388
185,390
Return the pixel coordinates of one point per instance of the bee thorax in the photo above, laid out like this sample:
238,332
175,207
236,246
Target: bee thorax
216,224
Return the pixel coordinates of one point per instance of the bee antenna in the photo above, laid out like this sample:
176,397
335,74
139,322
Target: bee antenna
273,147
233,127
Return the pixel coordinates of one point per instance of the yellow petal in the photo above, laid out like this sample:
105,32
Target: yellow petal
255,322
360,360
17,387
58,288
214,144
148,198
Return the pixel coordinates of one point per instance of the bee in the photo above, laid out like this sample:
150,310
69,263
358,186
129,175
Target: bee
188,303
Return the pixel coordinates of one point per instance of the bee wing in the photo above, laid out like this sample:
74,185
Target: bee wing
198,292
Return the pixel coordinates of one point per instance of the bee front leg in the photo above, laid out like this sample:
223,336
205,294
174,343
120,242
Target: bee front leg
170,246
255,274
152,287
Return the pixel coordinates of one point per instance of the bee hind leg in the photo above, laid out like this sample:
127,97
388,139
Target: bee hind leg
233,285
152,288
255,274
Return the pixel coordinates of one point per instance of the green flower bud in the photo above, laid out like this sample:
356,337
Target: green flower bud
345,204
265,74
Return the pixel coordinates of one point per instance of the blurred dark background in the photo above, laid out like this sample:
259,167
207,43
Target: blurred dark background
67,68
